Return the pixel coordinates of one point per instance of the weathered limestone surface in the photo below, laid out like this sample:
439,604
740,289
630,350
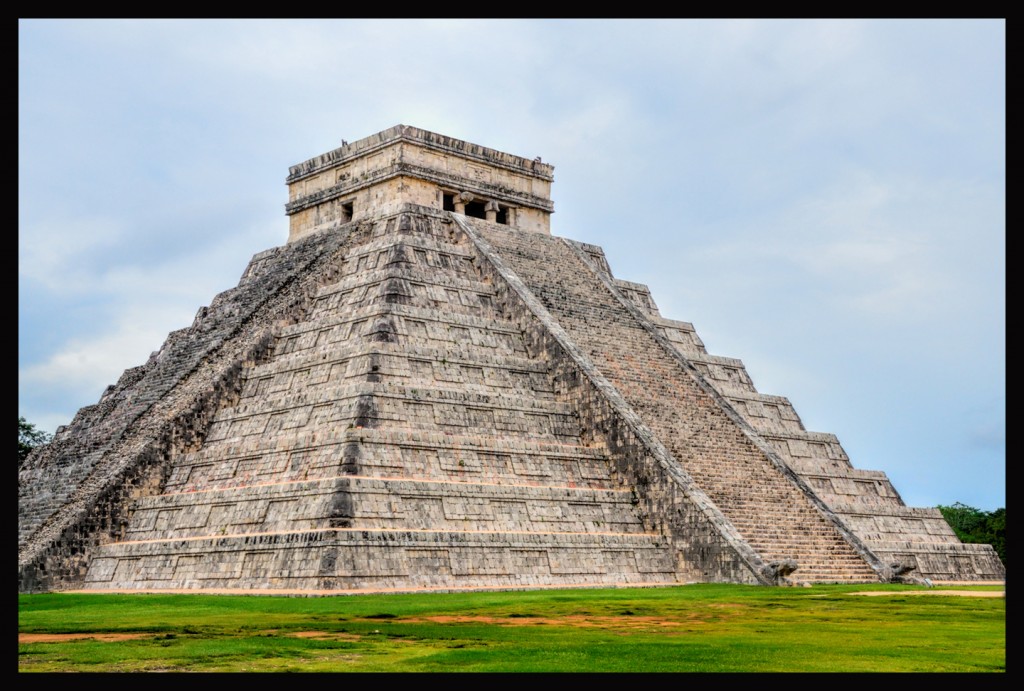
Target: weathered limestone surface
403,164
424,389
864,500
76,492
400,435
771,512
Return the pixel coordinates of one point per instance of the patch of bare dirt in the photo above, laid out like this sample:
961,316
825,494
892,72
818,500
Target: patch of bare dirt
114,637
329,635
960,593
64,637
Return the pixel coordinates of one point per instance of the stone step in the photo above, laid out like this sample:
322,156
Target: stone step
343,397
438,253
410,322
358,287
343,559
427,454
383,503
693,426
389,356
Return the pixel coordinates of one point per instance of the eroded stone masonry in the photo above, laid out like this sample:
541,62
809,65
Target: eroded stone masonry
424,389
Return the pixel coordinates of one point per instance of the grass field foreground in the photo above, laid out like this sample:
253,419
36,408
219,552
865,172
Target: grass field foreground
694,628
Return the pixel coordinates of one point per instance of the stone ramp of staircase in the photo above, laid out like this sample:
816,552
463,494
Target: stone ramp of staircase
765,506
864,500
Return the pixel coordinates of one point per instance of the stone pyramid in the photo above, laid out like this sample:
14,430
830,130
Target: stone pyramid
424,389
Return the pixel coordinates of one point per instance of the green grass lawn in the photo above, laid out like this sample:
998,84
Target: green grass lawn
695,628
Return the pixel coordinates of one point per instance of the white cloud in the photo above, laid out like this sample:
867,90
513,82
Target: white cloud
56,253
885,247
144,302
87,366
776,181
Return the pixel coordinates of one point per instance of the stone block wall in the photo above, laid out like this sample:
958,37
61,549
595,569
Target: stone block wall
772,513
429,401
400,436
376,175
76,493
865,501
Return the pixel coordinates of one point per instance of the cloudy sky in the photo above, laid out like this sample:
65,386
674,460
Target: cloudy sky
824,200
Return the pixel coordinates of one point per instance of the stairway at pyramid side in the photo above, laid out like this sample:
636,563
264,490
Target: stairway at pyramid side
401,435
398,437
766,508
863,502
408,395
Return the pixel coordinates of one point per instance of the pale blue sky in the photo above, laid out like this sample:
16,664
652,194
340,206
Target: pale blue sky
824,200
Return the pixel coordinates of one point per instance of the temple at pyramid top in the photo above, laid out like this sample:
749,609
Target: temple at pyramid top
403,164
424,389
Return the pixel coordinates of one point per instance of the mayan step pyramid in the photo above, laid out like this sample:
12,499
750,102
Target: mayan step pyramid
425,389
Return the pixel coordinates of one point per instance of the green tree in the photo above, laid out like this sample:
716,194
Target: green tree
29,438
975,526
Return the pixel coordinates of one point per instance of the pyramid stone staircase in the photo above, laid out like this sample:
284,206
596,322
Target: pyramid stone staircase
770,512
916,539
423,389
399,437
